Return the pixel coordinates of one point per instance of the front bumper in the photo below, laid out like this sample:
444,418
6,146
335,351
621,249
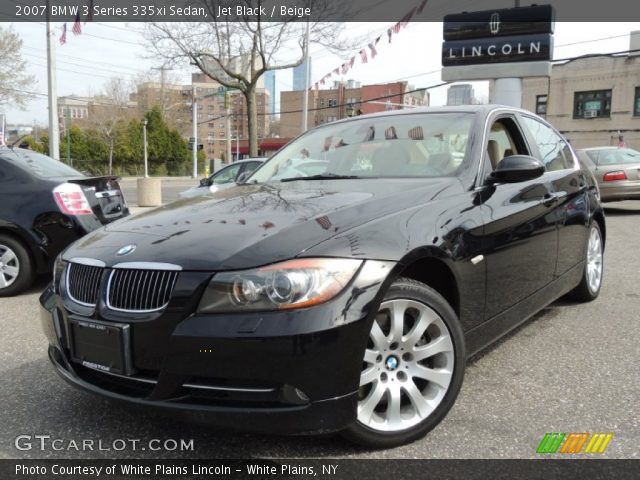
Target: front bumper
288,372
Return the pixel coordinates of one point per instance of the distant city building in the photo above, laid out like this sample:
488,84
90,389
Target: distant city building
270,87
461,94
591,100
73,108
299,75
212,119
345,100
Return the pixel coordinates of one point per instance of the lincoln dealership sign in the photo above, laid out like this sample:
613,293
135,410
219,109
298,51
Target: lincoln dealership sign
497,50
521,37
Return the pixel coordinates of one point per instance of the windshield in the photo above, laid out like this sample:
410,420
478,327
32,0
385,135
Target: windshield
39,164
415,145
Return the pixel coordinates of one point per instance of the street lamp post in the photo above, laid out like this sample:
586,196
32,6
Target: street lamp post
144,140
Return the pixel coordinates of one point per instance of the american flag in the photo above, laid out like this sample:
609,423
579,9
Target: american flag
363,56
352,61
374,52
345,68
77,28
63,37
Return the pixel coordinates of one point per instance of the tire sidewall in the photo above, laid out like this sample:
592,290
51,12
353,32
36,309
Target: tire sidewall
594,294
412,290
25,273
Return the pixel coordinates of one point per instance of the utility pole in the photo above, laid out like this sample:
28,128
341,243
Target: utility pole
305,93
144,141
227,101
66,128
194,146
52,91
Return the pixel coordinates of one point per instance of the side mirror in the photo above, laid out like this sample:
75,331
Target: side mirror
517,168
204,182
243,177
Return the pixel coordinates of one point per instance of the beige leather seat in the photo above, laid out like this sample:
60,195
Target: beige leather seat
493,150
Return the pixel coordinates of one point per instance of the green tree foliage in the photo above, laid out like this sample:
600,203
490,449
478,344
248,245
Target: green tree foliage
168,153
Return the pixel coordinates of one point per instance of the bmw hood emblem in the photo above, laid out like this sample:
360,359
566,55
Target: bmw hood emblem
126,250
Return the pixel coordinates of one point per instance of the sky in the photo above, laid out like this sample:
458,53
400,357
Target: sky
105,50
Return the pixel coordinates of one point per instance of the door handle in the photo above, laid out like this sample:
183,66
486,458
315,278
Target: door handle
550,199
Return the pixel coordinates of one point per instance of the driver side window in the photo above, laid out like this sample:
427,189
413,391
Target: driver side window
504,140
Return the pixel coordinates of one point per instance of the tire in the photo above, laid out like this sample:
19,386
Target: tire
16,268
397,404
591,282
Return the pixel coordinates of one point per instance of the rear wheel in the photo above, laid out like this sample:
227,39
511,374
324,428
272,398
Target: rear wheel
589,287
413,367
16,269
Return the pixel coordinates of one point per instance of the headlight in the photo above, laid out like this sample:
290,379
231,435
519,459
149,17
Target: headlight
58,268
292,284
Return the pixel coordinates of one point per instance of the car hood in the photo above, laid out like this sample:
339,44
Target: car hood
200,190
252,225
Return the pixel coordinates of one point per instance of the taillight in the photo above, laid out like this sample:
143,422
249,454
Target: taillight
612,176
71,199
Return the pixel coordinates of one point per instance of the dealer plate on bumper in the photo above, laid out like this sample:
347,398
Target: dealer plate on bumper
104,346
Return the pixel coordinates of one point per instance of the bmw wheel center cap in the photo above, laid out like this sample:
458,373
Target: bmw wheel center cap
392,362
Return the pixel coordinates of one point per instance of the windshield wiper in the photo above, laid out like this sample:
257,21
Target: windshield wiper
321,176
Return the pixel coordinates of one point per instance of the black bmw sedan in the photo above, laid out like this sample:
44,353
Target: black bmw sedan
44,206
346,300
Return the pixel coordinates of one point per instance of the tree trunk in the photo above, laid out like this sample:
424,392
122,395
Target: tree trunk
252,117
111,156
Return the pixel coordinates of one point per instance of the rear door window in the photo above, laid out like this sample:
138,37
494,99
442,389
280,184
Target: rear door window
554,151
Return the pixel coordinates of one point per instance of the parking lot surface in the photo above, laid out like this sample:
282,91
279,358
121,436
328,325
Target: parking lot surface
572,368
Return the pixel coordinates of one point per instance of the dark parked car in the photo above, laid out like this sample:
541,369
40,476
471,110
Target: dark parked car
44,206
617,171
346,300
224,178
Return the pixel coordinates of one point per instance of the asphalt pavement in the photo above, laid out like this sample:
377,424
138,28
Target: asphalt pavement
572,368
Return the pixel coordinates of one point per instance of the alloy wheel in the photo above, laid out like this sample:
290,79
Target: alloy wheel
594,260
408,366
9,266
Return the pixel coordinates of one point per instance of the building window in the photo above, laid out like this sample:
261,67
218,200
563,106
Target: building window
333,102
321,102
541,105
593,104
636,103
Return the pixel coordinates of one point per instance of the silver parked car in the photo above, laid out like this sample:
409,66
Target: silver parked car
224,178
617,171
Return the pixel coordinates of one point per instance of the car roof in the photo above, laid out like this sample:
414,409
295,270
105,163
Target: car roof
484,109
255,159
589,149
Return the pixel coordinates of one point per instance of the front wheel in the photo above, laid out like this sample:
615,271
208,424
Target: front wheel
589,287
412,370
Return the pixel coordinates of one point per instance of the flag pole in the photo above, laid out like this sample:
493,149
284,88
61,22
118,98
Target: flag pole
52,91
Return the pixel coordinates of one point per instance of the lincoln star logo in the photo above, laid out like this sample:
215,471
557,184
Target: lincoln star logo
126,250
494,23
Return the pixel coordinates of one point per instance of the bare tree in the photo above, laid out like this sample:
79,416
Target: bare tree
236,54
108,109
14,79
